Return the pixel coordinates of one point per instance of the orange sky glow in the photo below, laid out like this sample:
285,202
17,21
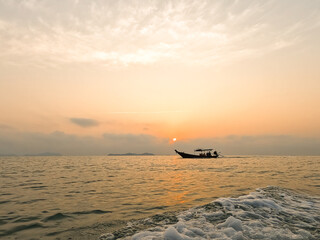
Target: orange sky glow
158,69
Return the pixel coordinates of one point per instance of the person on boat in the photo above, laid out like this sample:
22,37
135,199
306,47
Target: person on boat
209,154
215,153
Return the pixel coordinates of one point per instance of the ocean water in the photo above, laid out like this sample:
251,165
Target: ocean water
160,197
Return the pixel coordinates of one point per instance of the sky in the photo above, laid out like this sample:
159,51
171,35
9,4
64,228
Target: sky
101,76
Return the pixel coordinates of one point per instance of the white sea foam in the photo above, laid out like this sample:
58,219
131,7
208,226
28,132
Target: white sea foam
268,213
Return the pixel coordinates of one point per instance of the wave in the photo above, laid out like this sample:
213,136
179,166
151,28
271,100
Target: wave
267,213
33,201
60,216
92,212
20,228
55,217
26,219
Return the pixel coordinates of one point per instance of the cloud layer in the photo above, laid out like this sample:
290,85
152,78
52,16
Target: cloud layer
120,33
68,144
60,142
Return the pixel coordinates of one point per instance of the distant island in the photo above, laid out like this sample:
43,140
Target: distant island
131,154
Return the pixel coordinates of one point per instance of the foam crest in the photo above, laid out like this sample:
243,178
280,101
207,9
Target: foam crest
268,213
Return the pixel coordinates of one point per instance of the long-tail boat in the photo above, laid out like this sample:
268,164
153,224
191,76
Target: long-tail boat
203,153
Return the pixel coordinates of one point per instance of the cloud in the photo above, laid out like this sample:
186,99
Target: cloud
84,122
5,127
149,112
122,33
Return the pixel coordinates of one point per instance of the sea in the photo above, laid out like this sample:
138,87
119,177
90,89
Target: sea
159,197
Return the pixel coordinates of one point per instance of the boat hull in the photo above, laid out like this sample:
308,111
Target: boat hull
187,155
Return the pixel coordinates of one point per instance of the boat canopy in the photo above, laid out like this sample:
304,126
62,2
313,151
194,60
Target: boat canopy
202,150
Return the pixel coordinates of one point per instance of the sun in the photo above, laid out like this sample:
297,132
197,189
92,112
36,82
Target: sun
174,139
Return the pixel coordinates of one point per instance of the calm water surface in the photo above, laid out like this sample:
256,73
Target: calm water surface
82,197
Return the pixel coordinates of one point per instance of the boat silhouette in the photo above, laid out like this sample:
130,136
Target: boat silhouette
203,153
